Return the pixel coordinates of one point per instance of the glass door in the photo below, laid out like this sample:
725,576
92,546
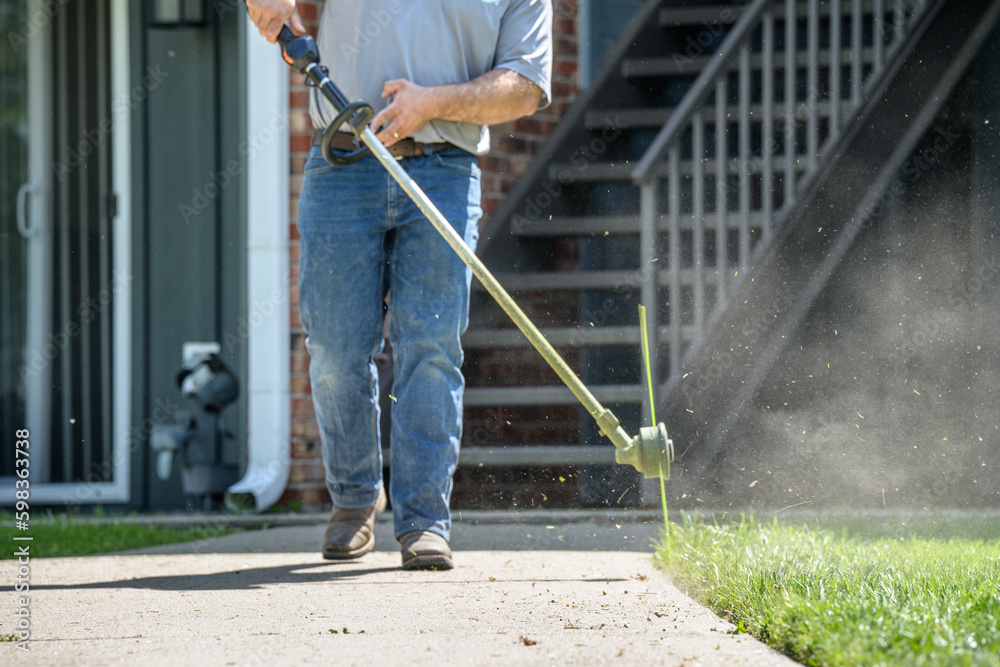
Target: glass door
64,276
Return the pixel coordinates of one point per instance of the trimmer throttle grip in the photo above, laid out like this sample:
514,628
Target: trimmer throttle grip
285,36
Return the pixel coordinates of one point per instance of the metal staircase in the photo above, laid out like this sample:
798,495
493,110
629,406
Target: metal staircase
716,172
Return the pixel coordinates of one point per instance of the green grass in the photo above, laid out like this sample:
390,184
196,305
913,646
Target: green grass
61,535
850,592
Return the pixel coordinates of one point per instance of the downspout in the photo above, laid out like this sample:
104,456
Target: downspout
269,421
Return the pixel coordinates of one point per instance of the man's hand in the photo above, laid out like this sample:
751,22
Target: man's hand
270,15
411,108
498,96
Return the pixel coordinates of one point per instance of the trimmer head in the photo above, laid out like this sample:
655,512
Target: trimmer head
651,452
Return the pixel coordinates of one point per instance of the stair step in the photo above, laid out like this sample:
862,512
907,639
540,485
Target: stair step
683,65
675,17
485,339
707,15
572,281
579,281
477,397
596,172
537,455
601,225
581,336
656,117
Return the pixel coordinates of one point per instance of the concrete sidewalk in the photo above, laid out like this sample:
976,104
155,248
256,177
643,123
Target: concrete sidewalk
525,594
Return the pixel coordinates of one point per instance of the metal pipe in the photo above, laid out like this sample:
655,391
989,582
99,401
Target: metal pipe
648,256
790,80
857,53
745,157
721,191
767,132
698,216
812,92
836,16
674,261
878,36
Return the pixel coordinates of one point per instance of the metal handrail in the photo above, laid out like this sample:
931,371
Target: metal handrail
702,87
688,196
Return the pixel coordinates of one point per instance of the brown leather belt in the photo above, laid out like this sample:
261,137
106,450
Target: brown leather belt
344,141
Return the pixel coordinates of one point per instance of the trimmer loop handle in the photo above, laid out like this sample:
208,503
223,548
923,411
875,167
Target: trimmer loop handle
302,55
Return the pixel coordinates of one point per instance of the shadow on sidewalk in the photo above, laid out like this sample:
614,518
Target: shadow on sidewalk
296,573
582,536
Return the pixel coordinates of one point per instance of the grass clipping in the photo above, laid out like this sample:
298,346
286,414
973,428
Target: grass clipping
829,597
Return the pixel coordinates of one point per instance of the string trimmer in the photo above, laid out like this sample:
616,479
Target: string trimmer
650,452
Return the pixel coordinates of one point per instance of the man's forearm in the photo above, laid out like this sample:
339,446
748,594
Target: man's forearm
497,96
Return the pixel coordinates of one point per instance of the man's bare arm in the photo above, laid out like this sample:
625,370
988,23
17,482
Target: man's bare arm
497,96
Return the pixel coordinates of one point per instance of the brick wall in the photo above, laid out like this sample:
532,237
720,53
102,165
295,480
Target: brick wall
513,146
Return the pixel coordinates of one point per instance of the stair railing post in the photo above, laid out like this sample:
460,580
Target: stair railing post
698,217
745,159
673,239
878,36
791,79
857,52
721,190
767,135
812,92
836,16
649,211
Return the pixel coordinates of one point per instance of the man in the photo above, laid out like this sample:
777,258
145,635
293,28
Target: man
437,72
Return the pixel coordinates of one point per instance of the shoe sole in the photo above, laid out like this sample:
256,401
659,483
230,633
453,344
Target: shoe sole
364,548
430,562
350,555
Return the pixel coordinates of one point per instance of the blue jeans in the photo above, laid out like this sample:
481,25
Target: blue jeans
362,238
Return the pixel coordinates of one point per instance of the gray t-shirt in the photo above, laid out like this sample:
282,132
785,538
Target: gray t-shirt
365,43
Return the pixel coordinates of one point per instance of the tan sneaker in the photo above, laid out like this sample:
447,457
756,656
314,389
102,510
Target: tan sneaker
424,550
350,533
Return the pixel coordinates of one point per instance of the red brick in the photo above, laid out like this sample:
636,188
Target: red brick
310,470
308,11
303,407
300,385
305,434
299,143
300,362
298,99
